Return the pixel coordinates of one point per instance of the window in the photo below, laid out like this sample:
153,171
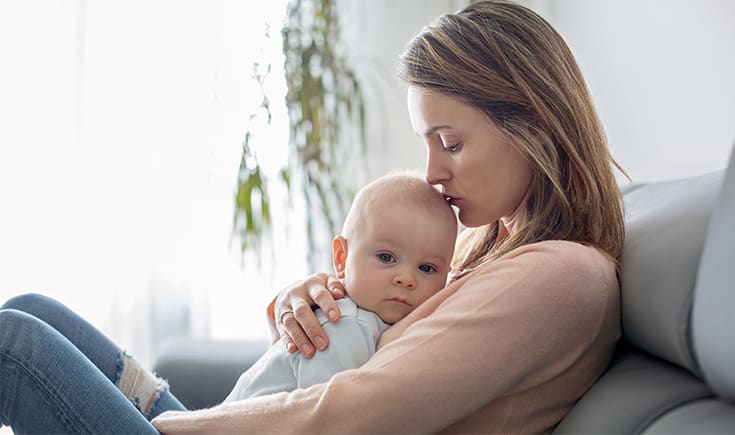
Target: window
119,152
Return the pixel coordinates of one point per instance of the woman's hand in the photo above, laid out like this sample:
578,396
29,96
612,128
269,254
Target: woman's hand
171,422
295,321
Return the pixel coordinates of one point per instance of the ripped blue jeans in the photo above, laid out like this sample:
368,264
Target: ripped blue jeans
59,374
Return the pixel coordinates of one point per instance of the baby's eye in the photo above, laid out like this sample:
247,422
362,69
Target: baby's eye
427,268
385,258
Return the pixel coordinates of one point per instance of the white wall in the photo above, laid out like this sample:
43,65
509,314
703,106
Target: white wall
662,74
375,33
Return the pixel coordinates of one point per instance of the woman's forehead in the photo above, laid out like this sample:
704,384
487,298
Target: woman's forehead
432,112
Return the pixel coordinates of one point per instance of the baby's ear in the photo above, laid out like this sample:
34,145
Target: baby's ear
339,255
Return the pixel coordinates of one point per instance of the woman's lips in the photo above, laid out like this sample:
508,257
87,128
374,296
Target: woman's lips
452,200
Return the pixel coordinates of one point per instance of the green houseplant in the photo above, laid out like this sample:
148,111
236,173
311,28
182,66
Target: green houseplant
326,113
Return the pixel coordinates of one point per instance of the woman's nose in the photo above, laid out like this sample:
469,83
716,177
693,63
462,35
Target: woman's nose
436,172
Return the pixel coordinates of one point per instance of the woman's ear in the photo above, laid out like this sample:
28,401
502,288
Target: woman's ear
339,255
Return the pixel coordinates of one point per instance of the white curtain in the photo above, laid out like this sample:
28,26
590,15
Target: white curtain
120,136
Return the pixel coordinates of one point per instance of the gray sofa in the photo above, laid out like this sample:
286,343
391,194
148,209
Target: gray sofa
674,369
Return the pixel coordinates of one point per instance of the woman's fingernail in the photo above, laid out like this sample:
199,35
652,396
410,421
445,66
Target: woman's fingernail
307,350
290,347
320,343
332,315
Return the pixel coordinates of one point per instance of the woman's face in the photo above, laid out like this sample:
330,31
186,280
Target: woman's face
480,172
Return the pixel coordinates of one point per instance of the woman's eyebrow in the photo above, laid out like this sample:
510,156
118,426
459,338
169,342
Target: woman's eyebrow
434,129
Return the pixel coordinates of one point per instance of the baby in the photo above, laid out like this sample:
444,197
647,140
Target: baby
393,253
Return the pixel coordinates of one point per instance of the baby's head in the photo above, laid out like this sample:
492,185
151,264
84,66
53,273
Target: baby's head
396,245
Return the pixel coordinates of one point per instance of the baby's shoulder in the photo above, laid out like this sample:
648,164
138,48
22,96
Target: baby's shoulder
354,321
347,308
351,314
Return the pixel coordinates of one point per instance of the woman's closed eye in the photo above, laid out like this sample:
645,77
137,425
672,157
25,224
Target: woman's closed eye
452,148
450,145
386,257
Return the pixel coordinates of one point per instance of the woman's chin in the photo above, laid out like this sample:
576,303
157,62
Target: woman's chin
468,220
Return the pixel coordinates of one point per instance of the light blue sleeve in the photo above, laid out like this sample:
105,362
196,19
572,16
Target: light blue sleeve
351,344
272,373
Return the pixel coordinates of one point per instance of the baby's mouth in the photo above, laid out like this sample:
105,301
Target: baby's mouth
402,301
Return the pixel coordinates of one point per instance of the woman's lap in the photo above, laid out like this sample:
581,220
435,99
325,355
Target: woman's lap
58,374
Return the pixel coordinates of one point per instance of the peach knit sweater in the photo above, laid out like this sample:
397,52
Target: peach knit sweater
507,348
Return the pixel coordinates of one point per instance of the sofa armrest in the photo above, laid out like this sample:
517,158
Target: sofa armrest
202,372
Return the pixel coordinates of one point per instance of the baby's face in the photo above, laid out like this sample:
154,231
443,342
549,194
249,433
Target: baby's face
398,258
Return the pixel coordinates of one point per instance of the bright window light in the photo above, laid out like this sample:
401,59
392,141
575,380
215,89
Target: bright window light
119,150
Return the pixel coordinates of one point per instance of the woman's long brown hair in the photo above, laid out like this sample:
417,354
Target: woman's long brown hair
508,62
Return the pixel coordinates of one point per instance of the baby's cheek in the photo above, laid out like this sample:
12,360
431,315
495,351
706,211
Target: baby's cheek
356,292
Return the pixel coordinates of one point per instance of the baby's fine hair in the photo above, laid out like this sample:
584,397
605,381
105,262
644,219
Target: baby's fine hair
400,189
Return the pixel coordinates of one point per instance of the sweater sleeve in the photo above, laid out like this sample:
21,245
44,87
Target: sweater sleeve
517,322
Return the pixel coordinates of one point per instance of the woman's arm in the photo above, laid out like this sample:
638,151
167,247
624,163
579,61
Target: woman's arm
509,327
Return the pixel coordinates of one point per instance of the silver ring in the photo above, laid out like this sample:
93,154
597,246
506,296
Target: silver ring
283,314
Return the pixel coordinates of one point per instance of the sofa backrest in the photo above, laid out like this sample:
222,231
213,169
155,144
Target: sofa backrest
666,225
713,314
675,367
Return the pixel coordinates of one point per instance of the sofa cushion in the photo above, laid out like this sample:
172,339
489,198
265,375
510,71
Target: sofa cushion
714,302
709,416
634,392
666,224
202,372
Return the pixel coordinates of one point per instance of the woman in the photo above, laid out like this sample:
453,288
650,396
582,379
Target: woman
531,317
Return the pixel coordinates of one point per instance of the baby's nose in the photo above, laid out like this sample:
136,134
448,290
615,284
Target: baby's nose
405,279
